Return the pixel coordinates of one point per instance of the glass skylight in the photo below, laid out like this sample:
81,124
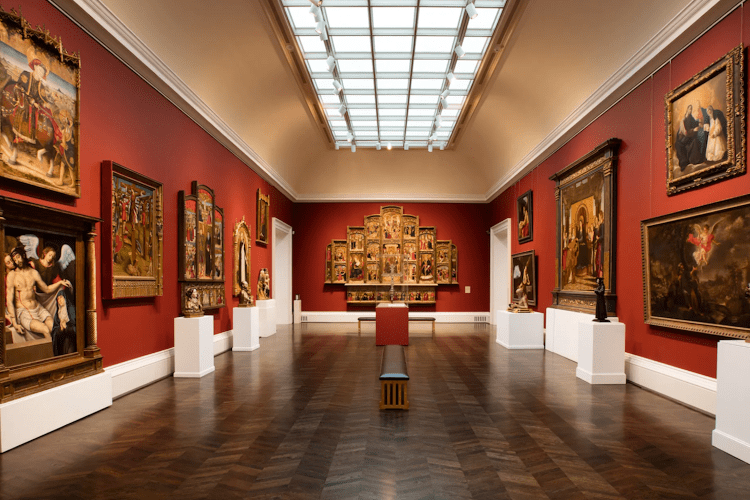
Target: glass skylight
388,61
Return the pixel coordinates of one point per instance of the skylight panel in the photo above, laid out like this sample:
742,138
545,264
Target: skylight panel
417,134
474,44
427,44
392,44
354,65
364,124
311,44
424,99
418,123
362,112
455,100
337,123
449,113
324,83
339,134
349,43
317,66
392,134
439,17
430,66
466,66
461,85
400,124
301,17
334,112
329,98
392,99
427,83
365,133
393,83
485,20
358,83
347,17
360,99
392,65
421,112
391,112
393,17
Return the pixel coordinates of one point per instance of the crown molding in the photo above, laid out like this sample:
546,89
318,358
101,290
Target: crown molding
687,25
391,198
106,28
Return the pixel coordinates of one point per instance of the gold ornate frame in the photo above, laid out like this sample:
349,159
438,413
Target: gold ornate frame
241,235
521,258
48,52
732,65
117,286
263,222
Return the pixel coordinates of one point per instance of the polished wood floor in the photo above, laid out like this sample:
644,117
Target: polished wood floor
299,418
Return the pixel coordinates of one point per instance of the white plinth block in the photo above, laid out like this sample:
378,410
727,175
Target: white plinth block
601,352
562,330
732,432
267,317
246,329
520,330
193,346
30,417
297,311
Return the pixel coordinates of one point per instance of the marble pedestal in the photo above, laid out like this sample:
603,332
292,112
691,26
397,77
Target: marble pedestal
266,317
297,312
246,328
732,432
601,352
520,330
193,346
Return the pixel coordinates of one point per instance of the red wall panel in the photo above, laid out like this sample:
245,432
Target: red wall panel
639,120
125,120
316,224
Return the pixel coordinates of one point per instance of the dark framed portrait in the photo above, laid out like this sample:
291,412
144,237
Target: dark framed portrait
264,219
523,274
40,108
525,211
48,298
586,199
132,232
705,119
695,269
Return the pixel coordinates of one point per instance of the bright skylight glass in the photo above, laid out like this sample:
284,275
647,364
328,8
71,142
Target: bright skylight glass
392,60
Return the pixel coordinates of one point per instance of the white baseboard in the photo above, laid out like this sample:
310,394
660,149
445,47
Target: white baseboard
693,389
139,372
731,444
351,317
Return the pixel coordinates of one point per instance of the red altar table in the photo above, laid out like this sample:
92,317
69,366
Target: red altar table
392,324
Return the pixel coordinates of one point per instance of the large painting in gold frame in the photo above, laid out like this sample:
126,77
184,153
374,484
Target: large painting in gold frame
705,119
263,222
242,244
40,108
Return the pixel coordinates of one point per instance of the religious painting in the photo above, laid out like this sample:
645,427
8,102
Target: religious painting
391,270
355,237
426,239
241,243
373,251
696,269
201,244
373,273
443,262
133,233
48,298
585,194
264,285
339,273
40,108
339,251
390,219
426,267
263,222
705,119
372,227
411,225
524,209
356,267
410,272
454,263
523,274
410,250
329,261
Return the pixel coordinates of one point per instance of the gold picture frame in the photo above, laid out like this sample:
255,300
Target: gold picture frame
241,241
263,222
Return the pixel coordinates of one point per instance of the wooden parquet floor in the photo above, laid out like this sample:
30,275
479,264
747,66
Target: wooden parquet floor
299,419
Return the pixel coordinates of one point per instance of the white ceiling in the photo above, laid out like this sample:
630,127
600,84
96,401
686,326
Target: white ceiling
565,63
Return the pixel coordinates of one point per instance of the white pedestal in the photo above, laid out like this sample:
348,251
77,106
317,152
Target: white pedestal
30,417
297,312
601,352
562,331
193,346
267,317
520,330
246,328
732,433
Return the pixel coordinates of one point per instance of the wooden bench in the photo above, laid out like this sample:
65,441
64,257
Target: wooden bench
394,379
372,318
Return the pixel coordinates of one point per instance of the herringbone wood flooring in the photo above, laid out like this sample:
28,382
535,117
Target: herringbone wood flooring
299,418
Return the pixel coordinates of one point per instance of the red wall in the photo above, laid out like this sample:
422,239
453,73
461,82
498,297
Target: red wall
639,121
316,224
125,120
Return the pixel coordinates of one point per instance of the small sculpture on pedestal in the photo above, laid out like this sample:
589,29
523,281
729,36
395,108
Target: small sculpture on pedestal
601,305
522,302
246,299
193,306
264,287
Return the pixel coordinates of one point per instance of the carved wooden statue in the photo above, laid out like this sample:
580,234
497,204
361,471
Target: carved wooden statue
193,306
601,306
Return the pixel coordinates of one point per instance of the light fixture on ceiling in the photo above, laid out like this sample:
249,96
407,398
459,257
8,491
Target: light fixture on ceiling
354,148
429,147
349,137
377,146
320,27
451,77
337,146
442,146
438,121
445,93
389,147
342,109
459,51
324,35
331,62
406,146
470,10
315,11
339,88
317,3
433,137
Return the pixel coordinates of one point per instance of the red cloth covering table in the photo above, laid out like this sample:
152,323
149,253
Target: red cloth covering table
392,324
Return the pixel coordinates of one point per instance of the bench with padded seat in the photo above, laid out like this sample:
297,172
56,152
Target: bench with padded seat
394,379
372,318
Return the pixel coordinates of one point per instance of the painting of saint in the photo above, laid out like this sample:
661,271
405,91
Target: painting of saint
523,273
525,217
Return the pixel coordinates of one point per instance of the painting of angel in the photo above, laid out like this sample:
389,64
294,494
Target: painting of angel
696,267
